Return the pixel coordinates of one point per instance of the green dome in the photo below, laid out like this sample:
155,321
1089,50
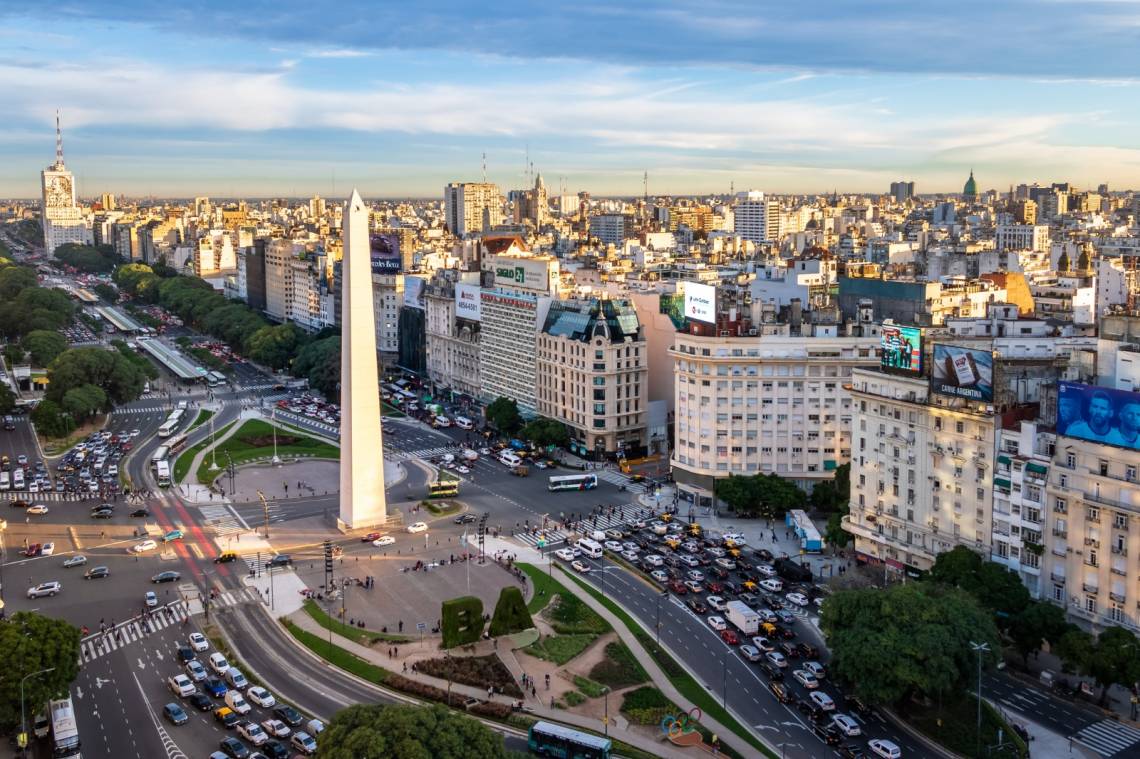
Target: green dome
971,188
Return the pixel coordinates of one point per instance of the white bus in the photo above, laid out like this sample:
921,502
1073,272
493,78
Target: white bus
573,482
171,424
589,548
162,474
214,379
64,730
510,458
159,455
464,423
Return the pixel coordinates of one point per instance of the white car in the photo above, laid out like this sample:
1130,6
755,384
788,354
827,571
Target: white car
630,556
198,641
417,527
695,575
822,700
766,569
45,589
143,547
277,728
883,748
39,508
383,540
763,643
633,547
847,725
261,697
580,566
716,553
303,742
726,564
771,584
717,603
717,623
806,679
750,652
799,599
817,670
47,549
75,561
660,575
181,685
565,554
196,671
776,659
653,560
612,545
735,538
462,469
252,732
218,663
237,702
150,599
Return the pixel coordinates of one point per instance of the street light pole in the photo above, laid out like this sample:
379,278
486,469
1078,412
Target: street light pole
979,649
658,627
606,693
23,715
724,679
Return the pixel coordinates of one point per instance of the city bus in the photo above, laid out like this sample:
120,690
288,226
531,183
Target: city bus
548,739
171,424
160,454
162,474
64,731
443,489
214,379
573,482
177,444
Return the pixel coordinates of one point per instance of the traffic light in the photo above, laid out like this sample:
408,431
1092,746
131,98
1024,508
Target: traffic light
328,557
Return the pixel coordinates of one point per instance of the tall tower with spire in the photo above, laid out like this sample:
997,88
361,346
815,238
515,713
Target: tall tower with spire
62,218
970,191
362,498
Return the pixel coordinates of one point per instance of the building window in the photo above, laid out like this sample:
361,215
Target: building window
1090,604
599,424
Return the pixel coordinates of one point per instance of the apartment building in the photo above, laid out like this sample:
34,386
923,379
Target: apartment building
472,207
921,472
387,298
592,374
770,403
757,217
1024,458
452,324
1022,237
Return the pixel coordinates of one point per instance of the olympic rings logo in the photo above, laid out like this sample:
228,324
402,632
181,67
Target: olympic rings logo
675,726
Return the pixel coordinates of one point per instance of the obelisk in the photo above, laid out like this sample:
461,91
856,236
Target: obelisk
362,501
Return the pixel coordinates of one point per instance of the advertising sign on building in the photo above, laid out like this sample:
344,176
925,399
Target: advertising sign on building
900,349
532,274
1099,414
385,253
468,304
963,372
700,302
414,292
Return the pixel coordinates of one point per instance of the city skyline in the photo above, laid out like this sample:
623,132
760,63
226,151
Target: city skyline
401,101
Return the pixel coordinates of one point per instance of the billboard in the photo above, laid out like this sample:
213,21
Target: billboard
700,302
900,349
1099,414
963,372
468,304
414,292
385,253
513,271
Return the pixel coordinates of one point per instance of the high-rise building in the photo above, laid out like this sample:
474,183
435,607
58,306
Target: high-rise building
63,219
757,217
902,191
608,227
472,207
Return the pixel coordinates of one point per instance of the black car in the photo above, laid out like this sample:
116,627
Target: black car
274,750
775,674
789,650
697,606
810,709
140,513
288,715
280,560
780,692
185,654
102,514
200,701
808,651
857,706
851,751
763,554
96,573
465,518
828,734
731,588
234,748
166,577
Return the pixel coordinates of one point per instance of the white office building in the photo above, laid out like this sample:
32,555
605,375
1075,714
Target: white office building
757,217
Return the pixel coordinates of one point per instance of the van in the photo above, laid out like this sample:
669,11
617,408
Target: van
235,679
442,421
464,423
5,482
509,458
236,701
589,548
597,536
18,479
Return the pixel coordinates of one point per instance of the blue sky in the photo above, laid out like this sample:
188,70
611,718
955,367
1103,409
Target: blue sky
285,98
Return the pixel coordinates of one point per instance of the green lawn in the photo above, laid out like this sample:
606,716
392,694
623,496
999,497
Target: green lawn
560,648
443,508
589,687
253,440
545,588
337,656
958,729
355,634
203,417
620,668
685,685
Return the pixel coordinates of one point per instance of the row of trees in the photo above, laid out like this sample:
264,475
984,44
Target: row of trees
764,495
91,259
503,414
83,382
200,305
26,307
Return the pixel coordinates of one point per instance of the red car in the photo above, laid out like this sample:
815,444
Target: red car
729,637
371,536
714,587
677,587
33,549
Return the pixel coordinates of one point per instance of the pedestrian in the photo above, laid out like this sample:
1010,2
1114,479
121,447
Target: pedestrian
533,692
405,667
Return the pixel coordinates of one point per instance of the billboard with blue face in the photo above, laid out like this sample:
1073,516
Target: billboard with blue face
1099,414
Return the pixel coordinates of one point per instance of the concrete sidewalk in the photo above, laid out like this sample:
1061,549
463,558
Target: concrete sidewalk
409,653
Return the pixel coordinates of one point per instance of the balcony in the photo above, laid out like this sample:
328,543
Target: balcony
1091,563
1089,588
1058,577
1120,550
1060,533
1116,597
1092,542
1118,571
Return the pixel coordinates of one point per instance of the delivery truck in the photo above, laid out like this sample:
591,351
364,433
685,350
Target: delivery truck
742,616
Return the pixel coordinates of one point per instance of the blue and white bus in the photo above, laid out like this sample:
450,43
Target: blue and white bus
64,730
549,739
573,482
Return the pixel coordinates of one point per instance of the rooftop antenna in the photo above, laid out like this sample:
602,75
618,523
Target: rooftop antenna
58,140
526,166
484,167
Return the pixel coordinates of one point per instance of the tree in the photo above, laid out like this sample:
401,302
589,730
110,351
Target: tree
994,585
48,418
376,731
958,567
275,346
761,494
545,432
907,640
1113,657
107,292
7,399
503,413
118,377
14,280
1075,649
93,259
84,402
319,362
1038,623
44,346
29,643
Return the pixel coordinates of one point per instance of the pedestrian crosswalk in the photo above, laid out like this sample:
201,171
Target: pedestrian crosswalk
613,476
235,597
1110,738
423,453
620,519
132,631
149,408
222,518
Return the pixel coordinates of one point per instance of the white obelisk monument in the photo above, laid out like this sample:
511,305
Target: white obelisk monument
362,501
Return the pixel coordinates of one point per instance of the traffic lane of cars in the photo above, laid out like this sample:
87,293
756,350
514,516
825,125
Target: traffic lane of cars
687,627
